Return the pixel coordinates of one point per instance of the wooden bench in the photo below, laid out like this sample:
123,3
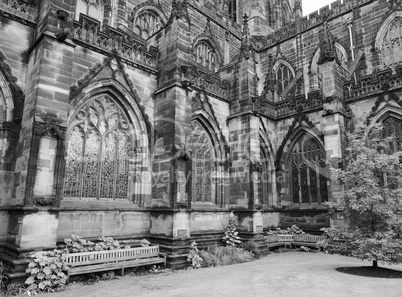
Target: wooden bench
275,240
80,263
307,240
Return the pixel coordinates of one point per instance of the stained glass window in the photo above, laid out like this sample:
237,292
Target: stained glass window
307,172
203,165
98,152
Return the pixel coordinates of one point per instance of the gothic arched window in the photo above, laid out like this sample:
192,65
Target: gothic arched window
147,23
391,47
284,76
205,55
92,8
99,151
307,172
203,186
393,128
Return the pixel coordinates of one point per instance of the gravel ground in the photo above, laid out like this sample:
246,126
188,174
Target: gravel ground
283,274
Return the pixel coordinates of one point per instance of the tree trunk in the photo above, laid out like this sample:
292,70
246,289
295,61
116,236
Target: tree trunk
375,264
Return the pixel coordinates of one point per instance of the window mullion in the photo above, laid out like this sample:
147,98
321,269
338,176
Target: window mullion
100,165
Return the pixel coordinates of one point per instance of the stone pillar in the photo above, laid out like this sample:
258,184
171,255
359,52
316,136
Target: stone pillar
170,193
334,125
40,155
244,142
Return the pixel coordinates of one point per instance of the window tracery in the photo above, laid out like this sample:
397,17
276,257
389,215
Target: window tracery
283,76
203,187
307,172
147,23
205,55
92,8
99,152
391,47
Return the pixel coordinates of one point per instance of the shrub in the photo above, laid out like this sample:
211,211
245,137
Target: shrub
292,230
224,255
231,237
250,246
46,272
193,256
76,244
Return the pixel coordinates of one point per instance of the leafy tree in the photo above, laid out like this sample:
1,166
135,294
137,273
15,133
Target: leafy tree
371,200
231,237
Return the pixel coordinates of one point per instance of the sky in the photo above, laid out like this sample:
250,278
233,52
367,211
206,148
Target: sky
313,5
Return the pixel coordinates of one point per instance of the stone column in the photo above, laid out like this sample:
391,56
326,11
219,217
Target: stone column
41,144
334,125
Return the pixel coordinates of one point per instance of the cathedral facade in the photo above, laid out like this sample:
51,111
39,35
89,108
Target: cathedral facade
155,119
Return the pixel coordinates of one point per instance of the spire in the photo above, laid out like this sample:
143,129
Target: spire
326,45
297,9
245,41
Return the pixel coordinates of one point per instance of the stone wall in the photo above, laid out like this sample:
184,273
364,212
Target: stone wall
3,226
113,223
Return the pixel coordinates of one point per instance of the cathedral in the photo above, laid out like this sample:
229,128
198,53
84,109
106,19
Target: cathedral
158,118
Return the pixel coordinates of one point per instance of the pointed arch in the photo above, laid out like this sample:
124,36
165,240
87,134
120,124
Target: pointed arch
387,41
294,162
391,119
305,164
208,160
146,19
284,73
206,53
107,145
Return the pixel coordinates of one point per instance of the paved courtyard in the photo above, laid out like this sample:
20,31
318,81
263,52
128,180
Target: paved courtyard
286,274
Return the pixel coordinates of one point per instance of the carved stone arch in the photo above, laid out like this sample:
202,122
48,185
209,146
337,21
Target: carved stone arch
206,53
386,101
147,18
389,50
391,119
204,149
13,96
283,73
290,140
211,127
303,166
384,113
129,102
107,145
